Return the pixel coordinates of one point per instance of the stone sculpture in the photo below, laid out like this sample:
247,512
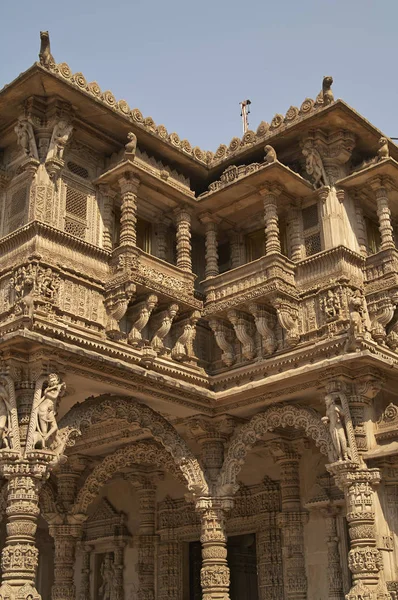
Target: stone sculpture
270,154
5,409
335,419
46,410
26,138
314,166
131,146
327,93
60,137
107,574
45,56
383,151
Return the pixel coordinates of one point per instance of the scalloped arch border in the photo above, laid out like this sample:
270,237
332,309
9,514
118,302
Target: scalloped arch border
102,408
268,420
139,453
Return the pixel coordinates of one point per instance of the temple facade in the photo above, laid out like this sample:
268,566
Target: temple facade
198,352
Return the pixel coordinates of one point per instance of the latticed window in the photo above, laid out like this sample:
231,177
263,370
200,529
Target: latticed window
16,209
76,212
311,229
78,170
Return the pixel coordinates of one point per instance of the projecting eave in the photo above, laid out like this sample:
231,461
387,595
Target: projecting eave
286,138
387,168
102,113
267,175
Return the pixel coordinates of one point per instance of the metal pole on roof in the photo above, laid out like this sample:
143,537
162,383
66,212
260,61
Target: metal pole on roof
245,111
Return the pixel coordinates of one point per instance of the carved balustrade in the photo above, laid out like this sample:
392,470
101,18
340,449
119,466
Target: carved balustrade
254,281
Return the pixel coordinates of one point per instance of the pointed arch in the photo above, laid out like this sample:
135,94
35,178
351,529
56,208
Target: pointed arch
125,408
272,418
144,452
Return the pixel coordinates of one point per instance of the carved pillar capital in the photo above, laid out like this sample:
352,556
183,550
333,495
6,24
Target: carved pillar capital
212,433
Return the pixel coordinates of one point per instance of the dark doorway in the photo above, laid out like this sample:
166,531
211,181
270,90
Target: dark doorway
242,561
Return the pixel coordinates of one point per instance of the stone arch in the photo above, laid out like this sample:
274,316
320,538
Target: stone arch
48,501
144,452
124,408
272,418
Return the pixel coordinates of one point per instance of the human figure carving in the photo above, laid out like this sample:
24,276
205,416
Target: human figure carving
314,166
60,137
270,155
327,93
107,574
357,314
335,419
5,409
331,305
383,151
45,56
26,137
131,146
46,424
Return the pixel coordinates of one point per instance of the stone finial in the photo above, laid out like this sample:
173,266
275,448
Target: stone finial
270,155
45,56
131,146
383,151
327,93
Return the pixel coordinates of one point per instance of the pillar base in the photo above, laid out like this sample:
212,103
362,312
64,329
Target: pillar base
24,592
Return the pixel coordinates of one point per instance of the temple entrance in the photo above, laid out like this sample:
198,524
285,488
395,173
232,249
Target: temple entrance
242,561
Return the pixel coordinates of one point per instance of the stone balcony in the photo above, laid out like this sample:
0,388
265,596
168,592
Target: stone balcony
150,274
259,281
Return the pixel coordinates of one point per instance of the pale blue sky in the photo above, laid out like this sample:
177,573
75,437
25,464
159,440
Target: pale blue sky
189,64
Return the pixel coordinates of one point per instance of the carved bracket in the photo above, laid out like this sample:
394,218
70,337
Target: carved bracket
265,324
244,332
140,314
222,335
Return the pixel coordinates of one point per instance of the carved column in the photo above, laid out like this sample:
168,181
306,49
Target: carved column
380,187
169,560
361,228
65,540
214,575
211,246
118,566
364,558
184,259
161,238
335,578
270,198
269,559
146,489
128,218
20,556
291,521
84,591
25,462
295,232
237,249
107,196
